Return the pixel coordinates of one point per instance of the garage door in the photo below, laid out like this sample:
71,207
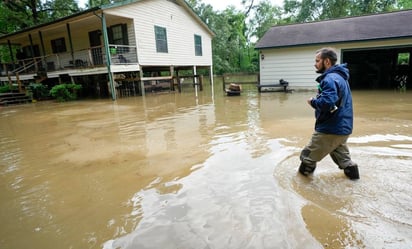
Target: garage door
383,68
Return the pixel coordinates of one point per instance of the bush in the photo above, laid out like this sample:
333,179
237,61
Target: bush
7,89
39,91
65,92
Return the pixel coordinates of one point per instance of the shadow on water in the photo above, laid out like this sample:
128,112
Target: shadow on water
179,171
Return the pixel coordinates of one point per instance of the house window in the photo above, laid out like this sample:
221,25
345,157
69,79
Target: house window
198,45
29,50
161,39
118,36
58,45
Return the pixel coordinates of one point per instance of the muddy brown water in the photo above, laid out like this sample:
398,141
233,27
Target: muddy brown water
178,171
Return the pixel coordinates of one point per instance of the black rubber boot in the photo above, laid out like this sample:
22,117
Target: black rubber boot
305,169
352,172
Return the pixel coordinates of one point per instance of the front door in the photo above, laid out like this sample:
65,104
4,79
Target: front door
96,47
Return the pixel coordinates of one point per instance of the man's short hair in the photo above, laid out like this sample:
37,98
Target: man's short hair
329,53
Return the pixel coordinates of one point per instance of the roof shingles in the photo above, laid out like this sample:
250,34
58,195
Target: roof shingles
362,28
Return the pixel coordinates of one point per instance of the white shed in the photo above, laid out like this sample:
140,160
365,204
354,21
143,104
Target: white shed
377,48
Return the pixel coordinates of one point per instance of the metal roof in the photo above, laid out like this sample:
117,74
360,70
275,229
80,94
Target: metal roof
362,28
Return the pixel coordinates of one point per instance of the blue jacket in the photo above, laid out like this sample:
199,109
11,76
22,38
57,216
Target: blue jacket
334,92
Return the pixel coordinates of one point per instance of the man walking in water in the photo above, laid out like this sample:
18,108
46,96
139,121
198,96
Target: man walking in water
334,117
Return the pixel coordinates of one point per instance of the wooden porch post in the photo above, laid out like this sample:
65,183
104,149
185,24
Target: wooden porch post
177,81
32,52
172,75
10,82
69,33
11,56
212,83
141,81
195,78
19,83
43,50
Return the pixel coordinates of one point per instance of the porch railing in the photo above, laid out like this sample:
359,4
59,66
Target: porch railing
83,58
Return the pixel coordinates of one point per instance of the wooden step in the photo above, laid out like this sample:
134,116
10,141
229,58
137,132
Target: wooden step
13,98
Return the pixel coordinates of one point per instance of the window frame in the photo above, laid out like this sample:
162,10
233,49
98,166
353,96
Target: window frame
58,45
161,39
117,35
119,30
198,45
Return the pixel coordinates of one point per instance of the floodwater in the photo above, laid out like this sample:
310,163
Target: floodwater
177,170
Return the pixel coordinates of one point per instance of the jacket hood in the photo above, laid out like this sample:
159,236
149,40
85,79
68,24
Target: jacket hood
340,69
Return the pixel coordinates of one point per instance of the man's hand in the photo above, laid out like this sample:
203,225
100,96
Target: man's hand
310,101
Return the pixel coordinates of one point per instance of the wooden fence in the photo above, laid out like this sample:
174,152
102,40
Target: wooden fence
240,79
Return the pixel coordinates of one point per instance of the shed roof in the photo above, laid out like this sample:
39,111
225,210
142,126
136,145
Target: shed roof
362,28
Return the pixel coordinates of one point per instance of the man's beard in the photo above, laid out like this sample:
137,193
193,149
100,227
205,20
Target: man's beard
322,69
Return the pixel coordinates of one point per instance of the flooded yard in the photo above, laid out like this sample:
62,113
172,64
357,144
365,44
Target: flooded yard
177,170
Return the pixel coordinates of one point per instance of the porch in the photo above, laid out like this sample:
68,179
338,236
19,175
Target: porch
93,60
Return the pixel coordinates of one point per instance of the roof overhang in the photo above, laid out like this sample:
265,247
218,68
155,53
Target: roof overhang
375,27
51,25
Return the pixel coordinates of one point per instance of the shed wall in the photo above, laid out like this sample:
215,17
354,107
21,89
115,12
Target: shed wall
296,64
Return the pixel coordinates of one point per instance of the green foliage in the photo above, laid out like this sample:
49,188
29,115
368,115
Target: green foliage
7,88
265,15
23,13
95,3
65,92
404,4
39,91
54,9
403,58
316,10
17,15
5,25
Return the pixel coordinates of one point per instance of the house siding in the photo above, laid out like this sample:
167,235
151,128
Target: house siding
180,27
181,24
296,64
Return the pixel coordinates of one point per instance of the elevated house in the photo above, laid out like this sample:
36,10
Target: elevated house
377,49
114,50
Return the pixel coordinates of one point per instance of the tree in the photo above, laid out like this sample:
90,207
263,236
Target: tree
5,24
404,4
315,10
96,3
229,40
60,8
22,13
304,11
265,15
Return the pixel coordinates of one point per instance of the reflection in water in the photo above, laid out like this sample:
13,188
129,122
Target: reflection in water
180,171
